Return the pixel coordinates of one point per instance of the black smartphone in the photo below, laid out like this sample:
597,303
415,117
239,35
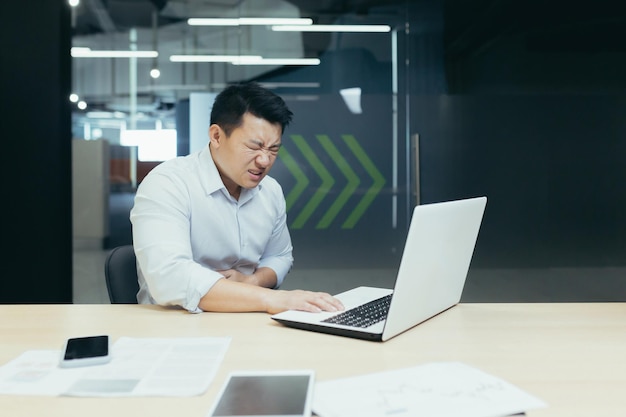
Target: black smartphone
85,351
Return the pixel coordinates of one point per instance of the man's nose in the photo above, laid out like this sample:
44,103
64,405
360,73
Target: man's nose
263,159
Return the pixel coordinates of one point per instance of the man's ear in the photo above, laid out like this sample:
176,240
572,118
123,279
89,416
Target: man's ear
216,135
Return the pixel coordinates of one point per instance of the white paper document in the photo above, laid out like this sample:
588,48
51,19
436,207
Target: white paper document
169,367
445,389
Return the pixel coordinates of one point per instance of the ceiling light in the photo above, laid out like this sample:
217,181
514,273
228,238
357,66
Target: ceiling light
212,58
244,59
278,61
155,73
99,114
332,28
281,84
79,52
212,22
248,21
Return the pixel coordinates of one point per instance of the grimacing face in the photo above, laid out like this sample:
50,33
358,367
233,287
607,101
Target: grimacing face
246,156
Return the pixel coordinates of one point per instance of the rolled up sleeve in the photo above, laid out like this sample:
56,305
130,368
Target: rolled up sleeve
168,274
278,253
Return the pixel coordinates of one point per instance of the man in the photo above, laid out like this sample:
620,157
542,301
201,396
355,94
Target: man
210,229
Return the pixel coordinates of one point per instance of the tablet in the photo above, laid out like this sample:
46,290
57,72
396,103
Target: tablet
265,393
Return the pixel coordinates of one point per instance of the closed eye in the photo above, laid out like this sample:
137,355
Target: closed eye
273,150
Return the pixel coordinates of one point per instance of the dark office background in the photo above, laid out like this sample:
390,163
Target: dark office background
524,102
35,73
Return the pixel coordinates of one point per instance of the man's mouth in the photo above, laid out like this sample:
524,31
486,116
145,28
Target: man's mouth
256,174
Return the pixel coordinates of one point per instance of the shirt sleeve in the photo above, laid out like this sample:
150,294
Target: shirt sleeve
160,221
278,254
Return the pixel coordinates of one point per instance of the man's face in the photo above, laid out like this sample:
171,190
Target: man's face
245,157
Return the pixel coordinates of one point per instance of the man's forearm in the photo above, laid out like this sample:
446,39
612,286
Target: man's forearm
233,296
264,277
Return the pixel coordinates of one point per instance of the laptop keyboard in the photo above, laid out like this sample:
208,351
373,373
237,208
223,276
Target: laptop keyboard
364,315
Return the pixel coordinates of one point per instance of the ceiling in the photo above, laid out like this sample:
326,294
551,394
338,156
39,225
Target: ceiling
470,28
107,22
162,25
105,16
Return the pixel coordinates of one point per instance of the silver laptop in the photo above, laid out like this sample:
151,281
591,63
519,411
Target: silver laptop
434,265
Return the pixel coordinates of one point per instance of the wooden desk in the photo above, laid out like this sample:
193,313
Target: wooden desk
573,356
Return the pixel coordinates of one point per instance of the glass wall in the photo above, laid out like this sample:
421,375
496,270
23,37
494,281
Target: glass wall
345,167
443,99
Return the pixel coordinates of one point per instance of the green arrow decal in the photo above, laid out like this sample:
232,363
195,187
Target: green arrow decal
320,193
301,179
370,194
353,182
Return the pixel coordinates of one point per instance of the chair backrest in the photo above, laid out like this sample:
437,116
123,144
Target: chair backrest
120,272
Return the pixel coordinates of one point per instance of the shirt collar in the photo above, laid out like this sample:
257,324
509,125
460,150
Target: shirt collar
213,182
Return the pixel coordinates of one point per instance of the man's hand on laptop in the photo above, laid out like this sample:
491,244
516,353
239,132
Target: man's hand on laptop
314,302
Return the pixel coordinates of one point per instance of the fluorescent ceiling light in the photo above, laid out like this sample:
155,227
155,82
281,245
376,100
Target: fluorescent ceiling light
244,59
278,61
248,21
290,84
99,114
171,87
332,28
213,58
212,22
78,52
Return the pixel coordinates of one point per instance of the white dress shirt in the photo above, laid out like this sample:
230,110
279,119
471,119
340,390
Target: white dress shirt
186,226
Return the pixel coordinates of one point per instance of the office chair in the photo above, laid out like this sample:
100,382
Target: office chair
120,272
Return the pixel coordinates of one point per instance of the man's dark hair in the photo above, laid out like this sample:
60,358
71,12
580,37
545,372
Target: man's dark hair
234,101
